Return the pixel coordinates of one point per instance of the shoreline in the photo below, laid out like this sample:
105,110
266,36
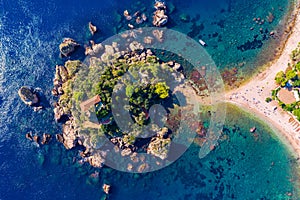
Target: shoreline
288,27
251,95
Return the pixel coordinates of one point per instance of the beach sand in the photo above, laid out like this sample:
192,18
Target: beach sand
252,95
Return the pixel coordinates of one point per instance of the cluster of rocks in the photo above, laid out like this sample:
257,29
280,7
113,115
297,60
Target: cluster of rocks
159,16
63,74
62,108
176,66
96,158
137,17
198,83
45,139
68,46
260,21
156,34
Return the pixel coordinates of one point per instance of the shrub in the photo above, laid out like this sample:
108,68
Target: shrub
296,83
289,107
268,99
297,113
162,90
78,96
280,78
297,66
291,74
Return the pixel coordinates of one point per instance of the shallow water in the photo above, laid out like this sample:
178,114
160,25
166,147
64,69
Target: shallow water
240,168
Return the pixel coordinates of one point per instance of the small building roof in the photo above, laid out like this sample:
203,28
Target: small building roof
85,106
286,96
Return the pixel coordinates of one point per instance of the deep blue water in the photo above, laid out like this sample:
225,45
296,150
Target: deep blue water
240,168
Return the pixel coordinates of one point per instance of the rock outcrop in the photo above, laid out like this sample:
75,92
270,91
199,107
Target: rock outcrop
106,188
28,95
46,139
97,159
159,146
69,134
68,46
92,28
94,50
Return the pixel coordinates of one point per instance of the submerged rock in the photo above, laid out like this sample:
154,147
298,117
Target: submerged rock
184,17
158,34
28,95
68,46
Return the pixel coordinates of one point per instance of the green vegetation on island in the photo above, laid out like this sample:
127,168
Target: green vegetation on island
287,92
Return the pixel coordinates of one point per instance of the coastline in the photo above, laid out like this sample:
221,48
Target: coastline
251,95
283,33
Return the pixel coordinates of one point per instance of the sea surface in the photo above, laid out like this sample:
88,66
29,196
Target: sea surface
243,166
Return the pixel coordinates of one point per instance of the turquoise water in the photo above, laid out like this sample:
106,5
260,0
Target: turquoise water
240,168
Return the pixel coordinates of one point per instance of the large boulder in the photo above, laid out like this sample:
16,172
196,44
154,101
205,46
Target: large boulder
28,95
68,46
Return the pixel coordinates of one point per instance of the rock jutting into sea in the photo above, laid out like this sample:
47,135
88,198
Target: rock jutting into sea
92,28
68,46
28,95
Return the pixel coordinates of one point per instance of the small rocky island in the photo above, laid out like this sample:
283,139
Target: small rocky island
121,103
88,106
28,95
